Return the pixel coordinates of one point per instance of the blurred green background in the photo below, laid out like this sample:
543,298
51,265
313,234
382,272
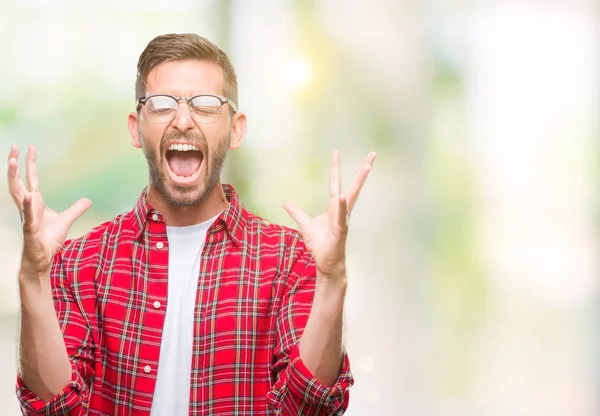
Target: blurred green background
473,248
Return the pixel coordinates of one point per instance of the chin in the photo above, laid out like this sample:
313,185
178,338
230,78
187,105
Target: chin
184,176
184,197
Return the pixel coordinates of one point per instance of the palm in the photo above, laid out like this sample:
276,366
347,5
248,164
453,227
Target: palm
44,237
44,230
325,234
317,242
54,229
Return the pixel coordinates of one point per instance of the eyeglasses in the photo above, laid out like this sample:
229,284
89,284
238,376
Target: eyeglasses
205,109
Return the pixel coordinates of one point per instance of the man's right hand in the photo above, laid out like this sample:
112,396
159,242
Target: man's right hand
44,230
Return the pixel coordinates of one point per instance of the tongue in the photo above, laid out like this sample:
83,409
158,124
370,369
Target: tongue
184,163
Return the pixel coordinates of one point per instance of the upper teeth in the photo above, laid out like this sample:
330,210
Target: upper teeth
183,147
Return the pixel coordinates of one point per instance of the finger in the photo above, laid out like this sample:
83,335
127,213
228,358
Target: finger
354,191
335,181
27,216
301,217
342,218
15,183
14,152
359,181
76,210
31,174
14,173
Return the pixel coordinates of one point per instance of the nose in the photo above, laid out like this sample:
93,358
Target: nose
183,118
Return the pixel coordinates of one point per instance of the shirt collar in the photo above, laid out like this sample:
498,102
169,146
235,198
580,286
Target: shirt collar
233,218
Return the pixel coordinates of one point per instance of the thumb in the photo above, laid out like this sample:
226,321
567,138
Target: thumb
76,210
297,214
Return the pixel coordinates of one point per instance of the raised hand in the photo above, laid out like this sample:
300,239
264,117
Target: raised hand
44,230
325,235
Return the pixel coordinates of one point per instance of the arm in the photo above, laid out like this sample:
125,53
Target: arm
320,348
322,354
44,363
49,382
297,390
55,347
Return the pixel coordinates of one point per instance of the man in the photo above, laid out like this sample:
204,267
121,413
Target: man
187,304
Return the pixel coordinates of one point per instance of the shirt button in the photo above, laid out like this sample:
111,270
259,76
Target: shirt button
159,245
147,369
156,304
155,217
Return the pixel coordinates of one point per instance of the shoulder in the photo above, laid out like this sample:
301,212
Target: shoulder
83,250
271,233
277,243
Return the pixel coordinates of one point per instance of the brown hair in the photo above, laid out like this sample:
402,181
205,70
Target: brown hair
174,47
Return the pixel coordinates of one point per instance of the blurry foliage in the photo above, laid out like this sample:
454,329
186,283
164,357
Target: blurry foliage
8,115
458,290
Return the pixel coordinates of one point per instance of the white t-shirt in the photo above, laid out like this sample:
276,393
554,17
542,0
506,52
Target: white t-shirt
172,391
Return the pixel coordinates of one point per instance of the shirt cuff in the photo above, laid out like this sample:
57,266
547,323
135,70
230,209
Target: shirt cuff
69,401
304,385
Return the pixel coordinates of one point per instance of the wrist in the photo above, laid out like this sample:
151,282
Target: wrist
332,286
31,274
339,283
333,278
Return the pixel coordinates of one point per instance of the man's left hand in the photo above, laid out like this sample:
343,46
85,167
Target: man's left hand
325,234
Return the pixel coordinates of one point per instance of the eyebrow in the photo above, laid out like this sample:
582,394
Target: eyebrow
148,93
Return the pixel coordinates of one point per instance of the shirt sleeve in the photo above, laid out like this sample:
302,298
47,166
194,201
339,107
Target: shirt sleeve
296,391
74,399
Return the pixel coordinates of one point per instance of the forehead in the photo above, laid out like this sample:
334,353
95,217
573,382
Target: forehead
185,78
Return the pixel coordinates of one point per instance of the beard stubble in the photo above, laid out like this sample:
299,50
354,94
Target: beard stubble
213,164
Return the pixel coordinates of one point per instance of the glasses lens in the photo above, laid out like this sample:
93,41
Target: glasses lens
161,108
206,108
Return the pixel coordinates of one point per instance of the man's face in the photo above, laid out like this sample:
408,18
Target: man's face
184,156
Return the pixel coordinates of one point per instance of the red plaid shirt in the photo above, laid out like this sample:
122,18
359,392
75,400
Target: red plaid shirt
254,296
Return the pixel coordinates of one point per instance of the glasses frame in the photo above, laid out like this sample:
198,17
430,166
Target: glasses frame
224,100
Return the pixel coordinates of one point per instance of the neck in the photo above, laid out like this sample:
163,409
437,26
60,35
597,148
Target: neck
213,204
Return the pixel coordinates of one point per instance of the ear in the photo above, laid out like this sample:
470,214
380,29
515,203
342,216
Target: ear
238,130
133,125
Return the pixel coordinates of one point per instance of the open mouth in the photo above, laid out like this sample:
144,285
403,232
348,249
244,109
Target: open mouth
184,161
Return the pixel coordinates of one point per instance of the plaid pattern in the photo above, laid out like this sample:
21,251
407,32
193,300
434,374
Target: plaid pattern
254,296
